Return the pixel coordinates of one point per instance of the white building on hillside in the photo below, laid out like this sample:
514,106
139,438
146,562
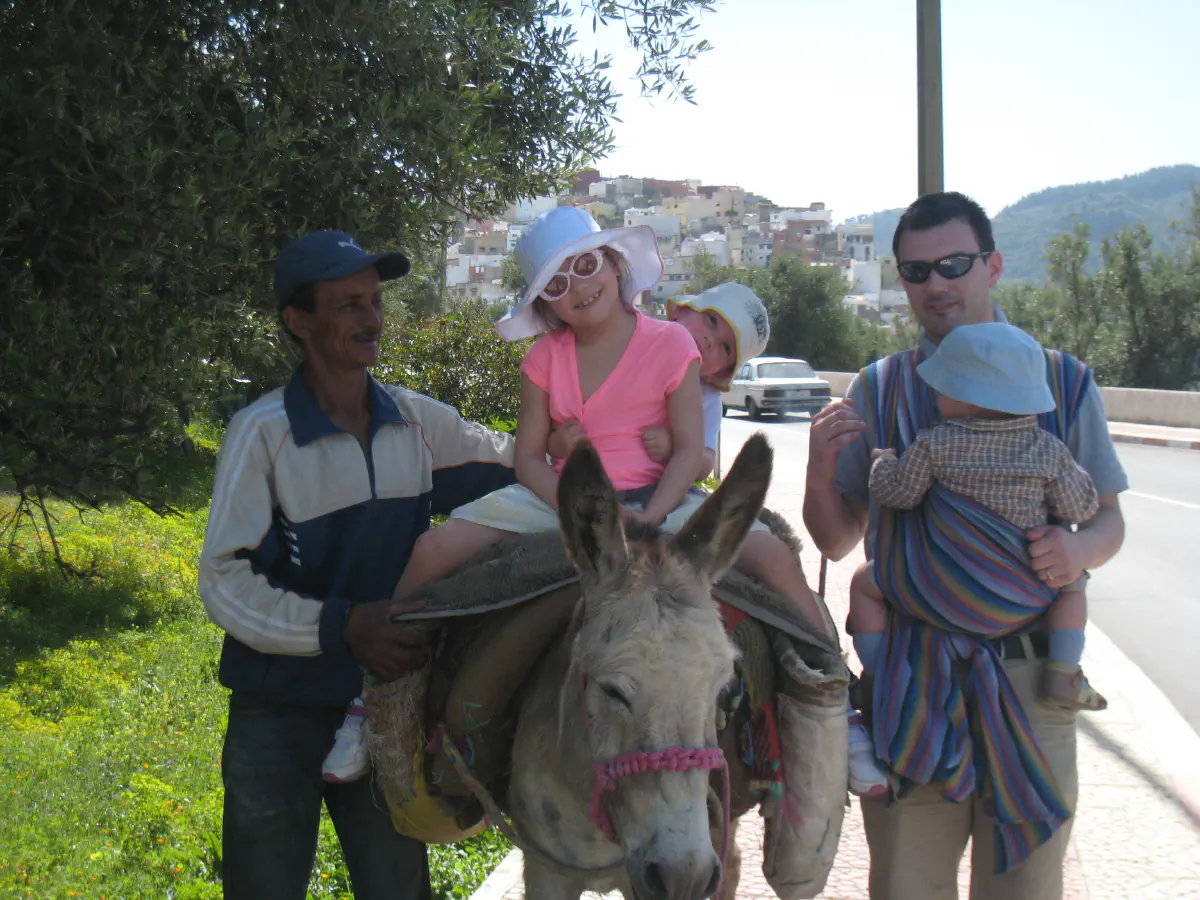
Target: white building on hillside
677,272
756,251
665,228
628,187
465,267
713,244
856,240
816,221
514,233
529,209
863,277
473,277
635,214
884,308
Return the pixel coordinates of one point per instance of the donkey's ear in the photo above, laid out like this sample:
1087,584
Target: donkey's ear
589,516
713,535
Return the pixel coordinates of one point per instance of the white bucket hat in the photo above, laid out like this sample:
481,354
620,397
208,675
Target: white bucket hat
992,365
745,313
568,231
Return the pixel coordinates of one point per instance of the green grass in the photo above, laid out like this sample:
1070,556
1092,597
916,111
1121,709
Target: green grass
111,721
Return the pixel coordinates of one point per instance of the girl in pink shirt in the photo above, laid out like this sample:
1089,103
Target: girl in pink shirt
601,363
729,325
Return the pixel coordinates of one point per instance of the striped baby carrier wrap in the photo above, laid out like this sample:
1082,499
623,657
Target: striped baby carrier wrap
957,575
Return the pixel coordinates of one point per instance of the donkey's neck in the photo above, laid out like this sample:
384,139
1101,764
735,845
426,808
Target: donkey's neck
553,781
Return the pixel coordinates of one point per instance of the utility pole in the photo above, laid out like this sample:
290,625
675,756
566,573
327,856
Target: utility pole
929,97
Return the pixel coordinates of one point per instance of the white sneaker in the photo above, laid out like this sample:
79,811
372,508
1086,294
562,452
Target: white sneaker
866,778
348,760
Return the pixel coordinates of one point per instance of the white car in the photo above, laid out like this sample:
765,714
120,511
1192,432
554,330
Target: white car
776,384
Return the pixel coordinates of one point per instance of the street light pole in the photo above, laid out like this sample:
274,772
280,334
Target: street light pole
929,97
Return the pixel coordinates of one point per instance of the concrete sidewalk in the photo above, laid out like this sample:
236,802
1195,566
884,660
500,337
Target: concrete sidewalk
1137,829
1155,435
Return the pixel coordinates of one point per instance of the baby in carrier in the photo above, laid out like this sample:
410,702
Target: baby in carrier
990,381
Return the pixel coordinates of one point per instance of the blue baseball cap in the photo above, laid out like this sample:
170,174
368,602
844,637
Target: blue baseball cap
328,256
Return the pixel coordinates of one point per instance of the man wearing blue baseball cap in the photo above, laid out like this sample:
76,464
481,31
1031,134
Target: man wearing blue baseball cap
972,755
322,487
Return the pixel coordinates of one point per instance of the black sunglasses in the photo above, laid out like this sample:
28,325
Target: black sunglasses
956,265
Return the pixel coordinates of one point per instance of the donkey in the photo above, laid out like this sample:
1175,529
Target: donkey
617,729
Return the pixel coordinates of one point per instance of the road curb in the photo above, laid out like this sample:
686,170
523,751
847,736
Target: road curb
1123,438
1162,728
506,876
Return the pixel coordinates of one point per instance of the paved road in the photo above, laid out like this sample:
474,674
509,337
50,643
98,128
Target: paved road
1147,599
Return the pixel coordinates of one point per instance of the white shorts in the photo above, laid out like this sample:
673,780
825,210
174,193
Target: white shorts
519,510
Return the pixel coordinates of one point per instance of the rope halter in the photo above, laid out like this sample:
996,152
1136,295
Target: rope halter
673,759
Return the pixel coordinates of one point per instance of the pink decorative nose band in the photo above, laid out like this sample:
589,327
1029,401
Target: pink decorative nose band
673,759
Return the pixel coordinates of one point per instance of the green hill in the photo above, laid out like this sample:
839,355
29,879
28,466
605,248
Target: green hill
1155,198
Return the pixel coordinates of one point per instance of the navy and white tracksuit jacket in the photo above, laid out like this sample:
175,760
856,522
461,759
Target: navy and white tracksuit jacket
305,522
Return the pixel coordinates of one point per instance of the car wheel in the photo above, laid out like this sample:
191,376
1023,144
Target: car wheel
752,409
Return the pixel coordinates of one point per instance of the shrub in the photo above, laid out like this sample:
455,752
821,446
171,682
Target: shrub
459,359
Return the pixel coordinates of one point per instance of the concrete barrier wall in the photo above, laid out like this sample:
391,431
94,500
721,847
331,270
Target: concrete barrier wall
1175,409
838,382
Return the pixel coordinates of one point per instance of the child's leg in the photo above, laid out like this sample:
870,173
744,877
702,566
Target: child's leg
767,557
1067,618
868,617
443,549
1063,683
770,559
348,759
868,621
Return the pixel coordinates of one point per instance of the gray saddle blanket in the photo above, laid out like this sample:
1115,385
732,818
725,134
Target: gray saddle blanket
526,566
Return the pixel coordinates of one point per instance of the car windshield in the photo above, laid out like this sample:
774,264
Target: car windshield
795,369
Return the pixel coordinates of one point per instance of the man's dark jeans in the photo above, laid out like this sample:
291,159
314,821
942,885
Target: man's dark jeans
273,792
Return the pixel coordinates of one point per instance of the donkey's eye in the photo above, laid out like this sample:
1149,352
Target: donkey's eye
616,696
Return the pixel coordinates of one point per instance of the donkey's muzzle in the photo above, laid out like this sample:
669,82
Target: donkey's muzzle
689,878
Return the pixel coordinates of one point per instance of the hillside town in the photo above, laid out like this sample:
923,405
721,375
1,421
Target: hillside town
730,225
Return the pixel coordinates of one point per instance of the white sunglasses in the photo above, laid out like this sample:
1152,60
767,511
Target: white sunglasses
585,265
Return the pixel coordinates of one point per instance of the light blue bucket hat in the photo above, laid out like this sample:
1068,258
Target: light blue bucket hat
568,231
991,365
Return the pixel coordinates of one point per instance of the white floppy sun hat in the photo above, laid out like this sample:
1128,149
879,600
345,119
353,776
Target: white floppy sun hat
745,313
568,231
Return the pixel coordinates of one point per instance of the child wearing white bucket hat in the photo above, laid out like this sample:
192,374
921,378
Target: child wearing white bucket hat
990,381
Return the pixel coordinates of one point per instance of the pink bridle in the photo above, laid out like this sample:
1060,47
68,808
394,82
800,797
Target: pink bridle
672,759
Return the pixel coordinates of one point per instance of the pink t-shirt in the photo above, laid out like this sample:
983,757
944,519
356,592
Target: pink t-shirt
632,398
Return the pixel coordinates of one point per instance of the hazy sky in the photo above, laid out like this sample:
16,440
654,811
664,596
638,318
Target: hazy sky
801,100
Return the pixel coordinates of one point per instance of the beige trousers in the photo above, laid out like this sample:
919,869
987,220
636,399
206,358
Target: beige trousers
917,843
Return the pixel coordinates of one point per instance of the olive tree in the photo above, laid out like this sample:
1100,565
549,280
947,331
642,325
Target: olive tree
156,154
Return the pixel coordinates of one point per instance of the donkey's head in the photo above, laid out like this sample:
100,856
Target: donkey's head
650,658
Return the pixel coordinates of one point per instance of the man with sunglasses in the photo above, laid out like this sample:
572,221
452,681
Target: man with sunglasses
1009,785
